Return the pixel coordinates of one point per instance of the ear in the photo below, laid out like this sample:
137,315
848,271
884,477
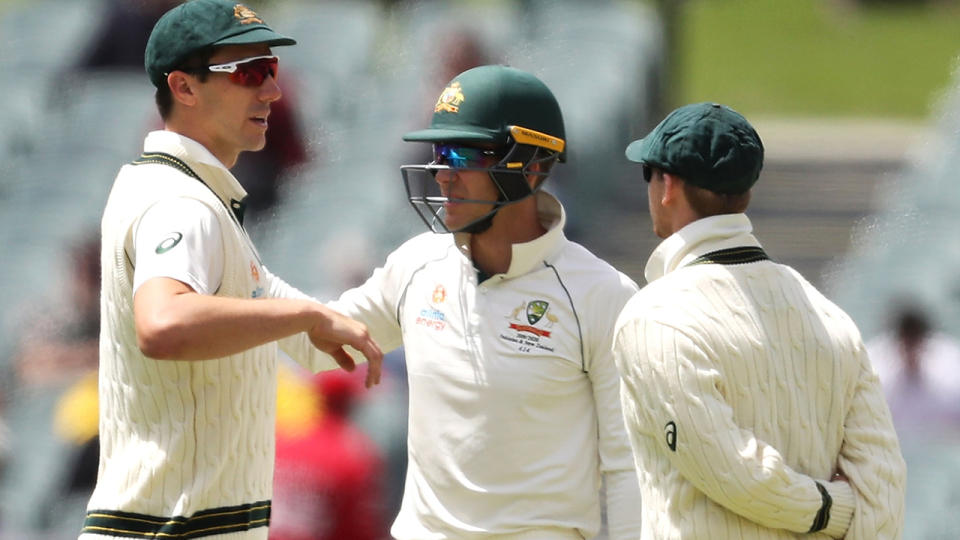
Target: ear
672,189
535,179
183,88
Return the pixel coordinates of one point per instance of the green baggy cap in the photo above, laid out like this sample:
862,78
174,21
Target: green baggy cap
196,24
706,144
493,104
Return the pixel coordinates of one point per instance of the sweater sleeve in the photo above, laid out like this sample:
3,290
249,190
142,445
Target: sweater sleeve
678,396
870,457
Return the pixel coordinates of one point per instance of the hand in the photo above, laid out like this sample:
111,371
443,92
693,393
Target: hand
334,331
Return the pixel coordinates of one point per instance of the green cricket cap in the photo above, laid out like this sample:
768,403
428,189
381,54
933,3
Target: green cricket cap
196,24
493,104
706,144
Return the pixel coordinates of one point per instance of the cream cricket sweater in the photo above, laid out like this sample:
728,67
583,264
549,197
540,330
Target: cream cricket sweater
186,447
743,387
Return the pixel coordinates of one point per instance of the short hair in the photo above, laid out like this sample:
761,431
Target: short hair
195,63
707,203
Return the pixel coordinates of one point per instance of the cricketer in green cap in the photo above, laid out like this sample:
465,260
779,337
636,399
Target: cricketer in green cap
721,332
493,119
706,144
192,320
198,24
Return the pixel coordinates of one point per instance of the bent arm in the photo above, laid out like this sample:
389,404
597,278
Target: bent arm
670,381
870,458
299,346
173,322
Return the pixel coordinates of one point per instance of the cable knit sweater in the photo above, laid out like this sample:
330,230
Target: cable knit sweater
186,447
744,390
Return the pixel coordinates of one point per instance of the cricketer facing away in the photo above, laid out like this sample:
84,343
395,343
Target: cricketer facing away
507,328
190,316
751,405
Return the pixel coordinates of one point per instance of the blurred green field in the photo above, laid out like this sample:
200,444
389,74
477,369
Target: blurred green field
817,57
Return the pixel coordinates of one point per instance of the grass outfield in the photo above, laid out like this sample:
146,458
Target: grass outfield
817,58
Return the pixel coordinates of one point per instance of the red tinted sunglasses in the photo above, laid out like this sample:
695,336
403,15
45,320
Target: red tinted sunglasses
248,71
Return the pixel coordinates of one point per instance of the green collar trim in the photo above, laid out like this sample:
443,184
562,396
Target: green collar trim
166,159
730,256
237,207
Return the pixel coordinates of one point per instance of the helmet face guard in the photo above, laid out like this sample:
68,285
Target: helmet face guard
508,174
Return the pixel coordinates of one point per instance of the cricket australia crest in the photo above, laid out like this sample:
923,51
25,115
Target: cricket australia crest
534,334
536,310
450,99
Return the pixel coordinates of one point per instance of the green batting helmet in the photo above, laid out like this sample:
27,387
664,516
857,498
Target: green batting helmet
496,105
510,113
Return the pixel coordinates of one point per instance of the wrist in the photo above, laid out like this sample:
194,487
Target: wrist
843,503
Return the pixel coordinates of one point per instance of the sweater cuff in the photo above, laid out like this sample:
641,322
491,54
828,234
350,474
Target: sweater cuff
841,511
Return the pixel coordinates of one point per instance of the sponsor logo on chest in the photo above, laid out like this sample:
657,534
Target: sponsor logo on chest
431,316
258,290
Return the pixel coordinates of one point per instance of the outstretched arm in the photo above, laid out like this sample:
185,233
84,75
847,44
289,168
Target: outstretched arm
173,322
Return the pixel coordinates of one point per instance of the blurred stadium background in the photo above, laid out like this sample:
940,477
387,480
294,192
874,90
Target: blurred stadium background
858,103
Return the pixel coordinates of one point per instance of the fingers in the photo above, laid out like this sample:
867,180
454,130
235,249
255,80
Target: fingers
337,331
374,367
343,359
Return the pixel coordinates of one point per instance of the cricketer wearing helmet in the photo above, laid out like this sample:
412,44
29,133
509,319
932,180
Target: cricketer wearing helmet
514,413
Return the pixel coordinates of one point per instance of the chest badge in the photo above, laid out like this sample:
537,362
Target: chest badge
433,316
534,334
535,311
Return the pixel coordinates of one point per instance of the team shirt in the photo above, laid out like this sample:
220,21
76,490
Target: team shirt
514,408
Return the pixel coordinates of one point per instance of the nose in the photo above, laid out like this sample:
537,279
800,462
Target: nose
444,176
270,90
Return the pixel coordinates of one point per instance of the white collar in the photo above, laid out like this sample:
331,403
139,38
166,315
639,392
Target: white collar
525,256
202,161
698,238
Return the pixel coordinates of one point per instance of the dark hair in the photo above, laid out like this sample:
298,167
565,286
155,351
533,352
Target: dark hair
196,63
710,203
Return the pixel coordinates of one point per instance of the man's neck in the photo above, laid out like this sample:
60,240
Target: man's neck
191,131
492,250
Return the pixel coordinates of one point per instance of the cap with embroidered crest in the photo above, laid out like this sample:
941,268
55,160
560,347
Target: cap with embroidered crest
197,24
708,145
495,104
